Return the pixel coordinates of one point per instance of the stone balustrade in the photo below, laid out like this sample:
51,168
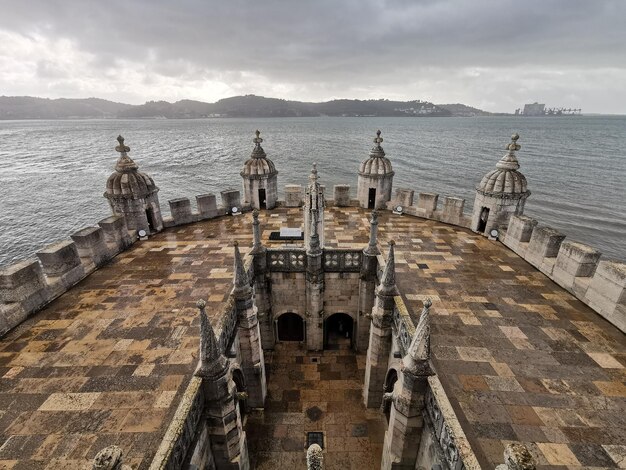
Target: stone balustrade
578,268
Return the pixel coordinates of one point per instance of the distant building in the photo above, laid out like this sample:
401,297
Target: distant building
534,109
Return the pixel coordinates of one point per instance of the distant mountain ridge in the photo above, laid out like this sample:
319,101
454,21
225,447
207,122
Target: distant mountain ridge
26,107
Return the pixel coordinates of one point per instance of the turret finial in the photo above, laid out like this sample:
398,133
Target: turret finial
513,145
257,140
121,147
378,140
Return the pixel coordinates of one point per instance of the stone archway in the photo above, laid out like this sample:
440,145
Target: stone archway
339,331
290,327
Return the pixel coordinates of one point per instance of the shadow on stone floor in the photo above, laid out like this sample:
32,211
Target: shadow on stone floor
310,392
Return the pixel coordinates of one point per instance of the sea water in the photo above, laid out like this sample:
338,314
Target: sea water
53,173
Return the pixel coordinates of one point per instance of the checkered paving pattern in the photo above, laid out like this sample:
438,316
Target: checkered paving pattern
521,359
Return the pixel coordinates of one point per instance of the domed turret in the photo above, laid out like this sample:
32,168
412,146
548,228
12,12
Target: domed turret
133,194
501,193
375,178
260,182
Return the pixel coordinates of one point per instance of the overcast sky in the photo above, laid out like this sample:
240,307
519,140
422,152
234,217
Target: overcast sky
493,54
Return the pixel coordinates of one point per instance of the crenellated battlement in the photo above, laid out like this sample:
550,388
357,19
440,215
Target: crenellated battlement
27,286
578,268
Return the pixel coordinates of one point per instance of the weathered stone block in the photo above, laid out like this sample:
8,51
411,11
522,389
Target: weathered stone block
181,210
577,259
21,280
59,258
452,209
116,232
609,280
403,197
342,195
520,229
293,195
11,315
544,243
207,205
427,202
90,243
231,198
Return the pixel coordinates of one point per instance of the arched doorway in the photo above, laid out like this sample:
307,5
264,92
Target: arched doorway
262,199
482,221
290,327
150,217
338,331
371,199
390,382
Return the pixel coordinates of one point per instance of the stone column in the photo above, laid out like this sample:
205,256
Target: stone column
262,286
223,422
314,289
406,421
380,334
252,360
367,285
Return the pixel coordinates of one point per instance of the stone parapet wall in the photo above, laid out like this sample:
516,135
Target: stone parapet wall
27,286
181,211
578,268
452,211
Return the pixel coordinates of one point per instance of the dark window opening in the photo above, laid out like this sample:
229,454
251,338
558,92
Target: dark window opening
262,199
482,221
315,438
150,217
290,327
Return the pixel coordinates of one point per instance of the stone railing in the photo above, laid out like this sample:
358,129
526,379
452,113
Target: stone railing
295,260
27,286
403,327
448,434
578,268
181,433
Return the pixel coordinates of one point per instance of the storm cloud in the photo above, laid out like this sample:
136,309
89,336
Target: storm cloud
493,54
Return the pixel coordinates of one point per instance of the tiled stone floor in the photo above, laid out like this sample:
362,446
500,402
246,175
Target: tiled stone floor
520,358
325,395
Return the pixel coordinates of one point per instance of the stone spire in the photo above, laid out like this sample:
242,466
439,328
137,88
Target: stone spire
240,281
256,232
417,357
387,287
372,247
125,164
211,362
313,209
109,458
314,243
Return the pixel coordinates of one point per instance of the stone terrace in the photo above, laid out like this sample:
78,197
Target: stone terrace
520,358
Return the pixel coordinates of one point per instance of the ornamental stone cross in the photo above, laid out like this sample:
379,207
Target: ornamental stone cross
513,146
257,140
121,147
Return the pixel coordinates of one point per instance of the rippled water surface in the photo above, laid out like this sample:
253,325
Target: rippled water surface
53,173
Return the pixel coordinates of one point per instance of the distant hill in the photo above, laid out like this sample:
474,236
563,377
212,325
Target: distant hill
458,109
25,107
